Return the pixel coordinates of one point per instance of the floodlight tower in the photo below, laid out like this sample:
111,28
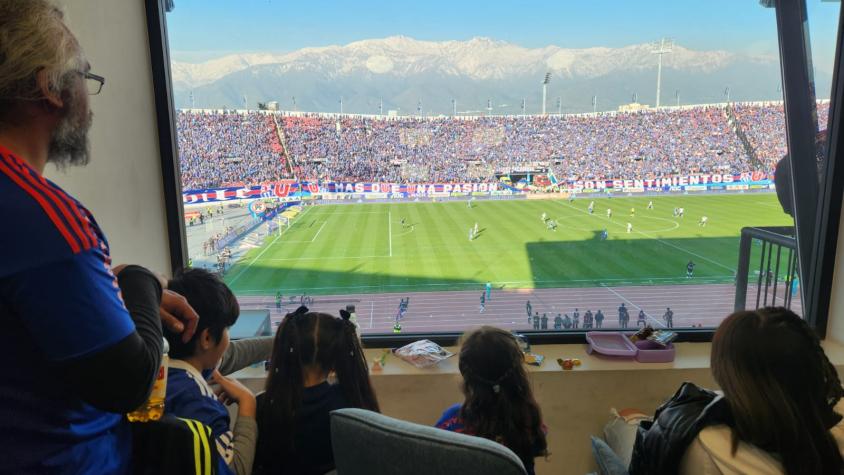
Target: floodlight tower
727,94
559,105
545,89
341,104
380,106
523,107
594,104
664,46
454,107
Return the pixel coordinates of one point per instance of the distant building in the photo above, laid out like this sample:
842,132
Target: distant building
633,107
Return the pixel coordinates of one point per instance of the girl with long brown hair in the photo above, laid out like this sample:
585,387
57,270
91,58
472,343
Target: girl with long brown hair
294,432
499,403
777,414
781,389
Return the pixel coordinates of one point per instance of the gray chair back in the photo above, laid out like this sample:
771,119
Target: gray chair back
368,443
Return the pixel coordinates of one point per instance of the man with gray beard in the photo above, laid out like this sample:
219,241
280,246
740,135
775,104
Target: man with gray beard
82,340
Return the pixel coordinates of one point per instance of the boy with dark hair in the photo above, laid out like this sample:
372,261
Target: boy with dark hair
188,393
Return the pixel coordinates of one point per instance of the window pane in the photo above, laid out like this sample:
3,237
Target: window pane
495,165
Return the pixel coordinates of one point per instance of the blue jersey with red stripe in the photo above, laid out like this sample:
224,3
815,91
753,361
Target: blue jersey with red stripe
58,301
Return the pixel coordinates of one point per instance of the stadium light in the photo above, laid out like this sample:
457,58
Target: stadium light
664,46
545,89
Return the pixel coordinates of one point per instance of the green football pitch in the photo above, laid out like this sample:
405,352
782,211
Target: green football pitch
365,248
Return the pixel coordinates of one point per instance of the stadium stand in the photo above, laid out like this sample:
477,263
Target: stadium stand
228,149
232,148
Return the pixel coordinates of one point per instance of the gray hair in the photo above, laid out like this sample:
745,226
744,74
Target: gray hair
33,37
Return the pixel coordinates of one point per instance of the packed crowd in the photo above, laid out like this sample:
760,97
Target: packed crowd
647,145
764,126
228,149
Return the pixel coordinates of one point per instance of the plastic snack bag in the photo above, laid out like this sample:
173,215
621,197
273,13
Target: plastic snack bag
423,353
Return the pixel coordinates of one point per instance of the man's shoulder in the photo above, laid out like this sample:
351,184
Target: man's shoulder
47,223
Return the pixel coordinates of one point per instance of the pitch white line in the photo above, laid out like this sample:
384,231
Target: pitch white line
253,260
655,238
261,253
317,233
284,259
390,230
677,281
634,305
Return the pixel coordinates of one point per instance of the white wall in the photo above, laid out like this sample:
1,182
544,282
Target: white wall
835,328
122,186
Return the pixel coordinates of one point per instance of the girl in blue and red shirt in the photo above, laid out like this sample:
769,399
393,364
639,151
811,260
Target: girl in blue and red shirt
499,403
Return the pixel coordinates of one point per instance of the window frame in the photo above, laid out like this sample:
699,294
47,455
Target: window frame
817,208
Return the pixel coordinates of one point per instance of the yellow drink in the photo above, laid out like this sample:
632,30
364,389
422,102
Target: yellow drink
153,408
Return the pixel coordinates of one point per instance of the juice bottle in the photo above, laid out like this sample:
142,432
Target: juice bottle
153,408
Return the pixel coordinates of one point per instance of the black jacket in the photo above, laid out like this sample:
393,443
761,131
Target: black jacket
312,453
661,444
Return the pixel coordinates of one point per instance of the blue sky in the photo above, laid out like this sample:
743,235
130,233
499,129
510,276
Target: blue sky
204,29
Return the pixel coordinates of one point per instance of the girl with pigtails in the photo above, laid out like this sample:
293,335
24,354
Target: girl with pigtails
293,413
499,403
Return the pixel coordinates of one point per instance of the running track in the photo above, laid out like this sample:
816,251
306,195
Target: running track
693,305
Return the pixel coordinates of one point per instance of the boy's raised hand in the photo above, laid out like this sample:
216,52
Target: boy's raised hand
231,390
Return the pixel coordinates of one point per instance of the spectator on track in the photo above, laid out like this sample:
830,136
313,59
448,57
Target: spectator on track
499,403
641,320
668,316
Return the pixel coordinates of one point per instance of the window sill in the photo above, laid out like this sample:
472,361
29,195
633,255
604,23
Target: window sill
689,356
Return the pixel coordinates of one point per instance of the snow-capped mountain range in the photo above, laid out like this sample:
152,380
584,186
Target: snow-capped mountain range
398,72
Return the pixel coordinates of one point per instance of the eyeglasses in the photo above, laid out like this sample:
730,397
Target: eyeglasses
93,82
